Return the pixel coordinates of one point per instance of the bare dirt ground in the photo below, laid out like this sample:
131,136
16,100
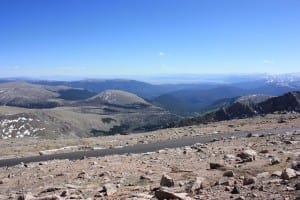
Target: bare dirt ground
245,168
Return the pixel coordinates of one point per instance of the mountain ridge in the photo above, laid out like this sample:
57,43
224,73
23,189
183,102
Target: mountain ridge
289,102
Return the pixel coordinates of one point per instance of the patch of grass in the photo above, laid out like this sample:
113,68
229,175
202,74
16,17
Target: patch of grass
114,130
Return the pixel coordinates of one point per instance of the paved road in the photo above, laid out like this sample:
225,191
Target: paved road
140,148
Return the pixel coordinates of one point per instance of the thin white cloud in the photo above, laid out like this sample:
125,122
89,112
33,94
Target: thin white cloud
269,62
161,53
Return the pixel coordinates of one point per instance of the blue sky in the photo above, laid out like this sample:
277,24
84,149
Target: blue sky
148,37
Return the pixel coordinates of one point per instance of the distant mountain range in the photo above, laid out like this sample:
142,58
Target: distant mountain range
61,111
207,93
105,107
249,106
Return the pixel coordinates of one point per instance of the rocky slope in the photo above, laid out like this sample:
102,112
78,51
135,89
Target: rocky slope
249,106
26,95
287,102
246,168
23,94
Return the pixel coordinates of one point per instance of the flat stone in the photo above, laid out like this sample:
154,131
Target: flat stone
109,189
276,174
163,193
273,181
228,173
51,189
263,175
216,166
142,196
288,173
144,177
264,151
225,181
229,157
290,189
31,197
249,181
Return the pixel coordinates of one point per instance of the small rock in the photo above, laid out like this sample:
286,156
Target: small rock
70,186
198,184
288,173
64,193
164,193
275,161
107,173
94,163
225,181
181,183
109,189
229,157
3,181
290,142
227,188
142,196
166,181
27,196
263,175
82,175
144,177
290,189
273,181
276,174
216,166
30,197
241,198
74,196
249,181
261,188
51,189
10,176
264,151
99,195
249,135
235,190
297,186
296,165
228,173
247,155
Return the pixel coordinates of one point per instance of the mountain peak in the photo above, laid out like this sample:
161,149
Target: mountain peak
118,97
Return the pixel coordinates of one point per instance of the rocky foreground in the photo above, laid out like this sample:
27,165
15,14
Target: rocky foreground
266,167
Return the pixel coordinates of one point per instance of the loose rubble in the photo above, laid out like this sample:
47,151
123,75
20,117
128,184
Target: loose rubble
238,168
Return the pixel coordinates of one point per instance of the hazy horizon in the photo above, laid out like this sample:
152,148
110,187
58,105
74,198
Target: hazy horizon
164,78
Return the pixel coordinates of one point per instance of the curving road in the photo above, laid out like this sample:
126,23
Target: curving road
140,148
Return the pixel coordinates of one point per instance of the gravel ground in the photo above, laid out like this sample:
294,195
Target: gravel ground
244,168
